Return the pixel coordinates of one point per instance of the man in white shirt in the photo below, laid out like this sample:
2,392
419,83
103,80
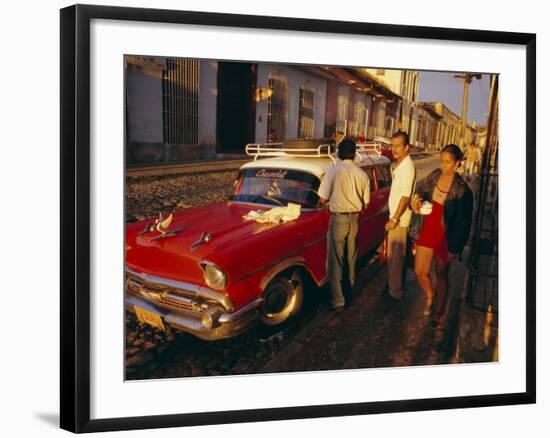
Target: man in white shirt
346,188
402,188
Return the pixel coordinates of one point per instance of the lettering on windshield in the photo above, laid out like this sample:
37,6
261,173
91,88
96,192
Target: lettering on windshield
264,173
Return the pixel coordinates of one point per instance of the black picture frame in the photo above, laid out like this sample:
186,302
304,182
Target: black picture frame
75,217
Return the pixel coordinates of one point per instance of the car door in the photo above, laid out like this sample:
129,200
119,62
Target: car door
382,194
365,236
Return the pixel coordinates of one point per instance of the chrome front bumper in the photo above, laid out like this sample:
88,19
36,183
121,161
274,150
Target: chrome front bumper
200,311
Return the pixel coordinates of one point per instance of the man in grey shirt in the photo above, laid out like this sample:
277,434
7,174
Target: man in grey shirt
346,188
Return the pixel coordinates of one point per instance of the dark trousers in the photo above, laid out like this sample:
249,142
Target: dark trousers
342,247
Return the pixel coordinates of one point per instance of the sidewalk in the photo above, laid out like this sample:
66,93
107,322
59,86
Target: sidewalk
374,332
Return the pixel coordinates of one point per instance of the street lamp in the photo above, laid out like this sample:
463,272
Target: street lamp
263,93
467,78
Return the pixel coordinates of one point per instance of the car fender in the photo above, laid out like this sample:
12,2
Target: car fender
283,266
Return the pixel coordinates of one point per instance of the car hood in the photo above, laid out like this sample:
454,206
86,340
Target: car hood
233,238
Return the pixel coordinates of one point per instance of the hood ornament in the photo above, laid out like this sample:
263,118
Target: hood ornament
205,238
161,225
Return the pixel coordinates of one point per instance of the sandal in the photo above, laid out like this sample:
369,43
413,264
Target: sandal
429,306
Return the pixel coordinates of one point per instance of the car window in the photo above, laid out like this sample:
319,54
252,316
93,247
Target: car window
370,174
383,175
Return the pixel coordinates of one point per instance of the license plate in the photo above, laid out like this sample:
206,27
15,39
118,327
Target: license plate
149,317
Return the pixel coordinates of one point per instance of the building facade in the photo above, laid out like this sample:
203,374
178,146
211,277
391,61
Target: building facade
296,107
170,109
181,109
410,84
438,126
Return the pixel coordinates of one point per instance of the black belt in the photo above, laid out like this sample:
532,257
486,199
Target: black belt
344,212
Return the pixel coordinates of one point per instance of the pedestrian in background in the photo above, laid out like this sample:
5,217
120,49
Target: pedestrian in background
472,156
272,137
479,159
346,189
402,187
444,232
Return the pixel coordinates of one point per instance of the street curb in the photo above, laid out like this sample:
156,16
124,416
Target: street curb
187,168
275,364
297,343
205,167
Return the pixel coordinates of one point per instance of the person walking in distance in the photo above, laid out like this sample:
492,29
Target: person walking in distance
402,187
472,155
346,189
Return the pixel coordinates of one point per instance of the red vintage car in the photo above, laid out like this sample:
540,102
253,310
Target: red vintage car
210,272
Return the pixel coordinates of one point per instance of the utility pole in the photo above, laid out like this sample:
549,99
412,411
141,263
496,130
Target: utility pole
467,78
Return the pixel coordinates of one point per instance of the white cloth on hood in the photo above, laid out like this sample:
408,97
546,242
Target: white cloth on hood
275,215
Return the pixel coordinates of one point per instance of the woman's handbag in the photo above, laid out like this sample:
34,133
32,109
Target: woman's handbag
417,220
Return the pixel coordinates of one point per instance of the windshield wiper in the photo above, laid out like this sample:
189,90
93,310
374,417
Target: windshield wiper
270,198
279,201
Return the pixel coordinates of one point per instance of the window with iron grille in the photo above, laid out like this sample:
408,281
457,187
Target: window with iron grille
360,117
180,101
305,114
342,111
433,133
277,108
389,122
421,135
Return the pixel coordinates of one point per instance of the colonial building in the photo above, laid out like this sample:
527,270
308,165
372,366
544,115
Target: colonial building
410,84
438,126
387,100
430,128
170,109
181,109
295,106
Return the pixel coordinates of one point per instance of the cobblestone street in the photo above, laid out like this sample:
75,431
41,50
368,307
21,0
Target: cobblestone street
372,332
146,196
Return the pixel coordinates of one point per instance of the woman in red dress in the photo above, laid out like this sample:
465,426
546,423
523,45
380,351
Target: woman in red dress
444,231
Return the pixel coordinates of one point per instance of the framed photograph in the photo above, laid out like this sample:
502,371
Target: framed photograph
268,218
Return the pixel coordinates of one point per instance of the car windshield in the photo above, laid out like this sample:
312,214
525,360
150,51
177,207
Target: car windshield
276,186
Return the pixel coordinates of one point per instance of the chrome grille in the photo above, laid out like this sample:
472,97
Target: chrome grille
157,289
162,294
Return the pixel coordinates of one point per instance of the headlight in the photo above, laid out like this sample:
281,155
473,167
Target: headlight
214,276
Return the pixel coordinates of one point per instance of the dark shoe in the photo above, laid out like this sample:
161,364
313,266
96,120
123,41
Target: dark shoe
337,309
389,297
437,320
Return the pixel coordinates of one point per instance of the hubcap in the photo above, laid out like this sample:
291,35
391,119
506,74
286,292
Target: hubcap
276,300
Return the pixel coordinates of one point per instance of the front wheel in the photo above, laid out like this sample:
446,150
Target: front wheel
283,299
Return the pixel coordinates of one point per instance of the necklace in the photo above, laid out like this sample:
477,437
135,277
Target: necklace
439,188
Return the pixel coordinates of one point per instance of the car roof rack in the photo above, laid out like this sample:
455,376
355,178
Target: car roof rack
370,147
277,150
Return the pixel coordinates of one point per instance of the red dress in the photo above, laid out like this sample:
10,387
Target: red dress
432,234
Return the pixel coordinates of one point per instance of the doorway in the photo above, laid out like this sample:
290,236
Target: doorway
236,107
